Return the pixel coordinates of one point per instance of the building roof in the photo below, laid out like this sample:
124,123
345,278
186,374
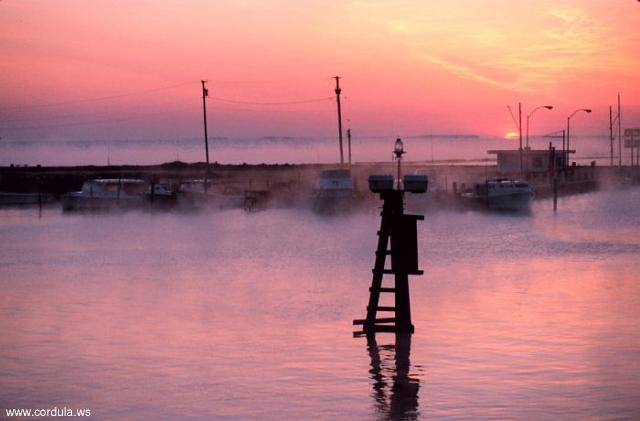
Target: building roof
517,151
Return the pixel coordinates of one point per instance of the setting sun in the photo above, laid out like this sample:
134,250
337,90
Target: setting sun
511,136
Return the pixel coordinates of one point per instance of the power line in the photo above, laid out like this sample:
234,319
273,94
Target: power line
89,123
304,101
95,99
113,120
67,116
76,115
163,88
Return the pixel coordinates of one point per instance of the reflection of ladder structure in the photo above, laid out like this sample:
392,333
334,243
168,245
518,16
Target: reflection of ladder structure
395,388
398,231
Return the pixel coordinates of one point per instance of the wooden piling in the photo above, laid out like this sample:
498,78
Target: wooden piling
555,193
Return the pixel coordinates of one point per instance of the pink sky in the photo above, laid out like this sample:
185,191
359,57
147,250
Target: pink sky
408,67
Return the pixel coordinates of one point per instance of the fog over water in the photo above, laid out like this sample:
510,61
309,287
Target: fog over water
144,315
281,149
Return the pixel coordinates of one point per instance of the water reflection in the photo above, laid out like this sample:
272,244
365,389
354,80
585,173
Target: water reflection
246,316
395,391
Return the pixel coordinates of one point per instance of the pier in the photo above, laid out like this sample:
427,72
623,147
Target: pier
290,184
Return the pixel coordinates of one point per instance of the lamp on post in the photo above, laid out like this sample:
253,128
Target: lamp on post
548,107
586,110
398,151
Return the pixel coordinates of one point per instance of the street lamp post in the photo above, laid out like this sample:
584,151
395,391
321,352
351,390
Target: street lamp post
398,151
586,110
548,107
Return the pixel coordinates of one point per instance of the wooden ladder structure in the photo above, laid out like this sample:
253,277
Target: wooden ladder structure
398,231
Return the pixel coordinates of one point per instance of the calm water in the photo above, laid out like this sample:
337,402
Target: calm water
233,315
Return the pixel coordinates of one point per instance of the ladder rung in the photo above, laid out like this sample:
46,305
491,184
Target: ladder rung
385,308
384,328
383,253
382,289
393,272
381,320
386,320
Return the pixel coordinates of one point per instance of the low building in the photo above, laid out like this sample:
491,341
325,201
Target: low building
533,160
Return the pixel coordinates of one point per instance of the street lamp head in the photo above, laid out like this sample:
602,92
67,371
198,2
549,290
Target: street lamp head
549,107
586,110
398,148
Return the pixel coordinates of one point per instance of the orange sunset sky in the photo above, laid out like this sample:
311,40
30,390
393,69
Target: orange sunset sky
131,69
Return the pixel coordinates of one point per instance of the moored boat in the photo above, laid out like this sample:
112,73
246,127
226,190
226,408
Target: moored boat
193,194
501,194
161,194
334,191
108,193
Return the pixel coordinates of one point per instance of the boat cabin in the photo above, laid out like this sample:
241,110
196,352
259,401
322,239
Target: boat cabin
114,187
335,180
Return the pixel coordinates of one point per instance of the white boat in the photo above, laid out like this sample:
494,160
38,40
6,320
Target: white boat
106,193
334,191
161,194
502,194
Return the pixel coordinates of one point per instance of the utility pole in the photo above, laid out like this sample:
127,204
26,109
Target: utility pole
632,141
564,153
567,151
338,90
205,93
619,133
349,145
611,133
554,175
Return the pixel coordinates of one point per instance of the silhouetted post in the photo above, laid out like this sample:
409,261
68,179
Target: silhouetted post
567,151
631,149
205,94
548,107
39,198
338,90
399,151
611,133
520,133
619,133
349,145
554,178
586,110
555,193
564,162
551,160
